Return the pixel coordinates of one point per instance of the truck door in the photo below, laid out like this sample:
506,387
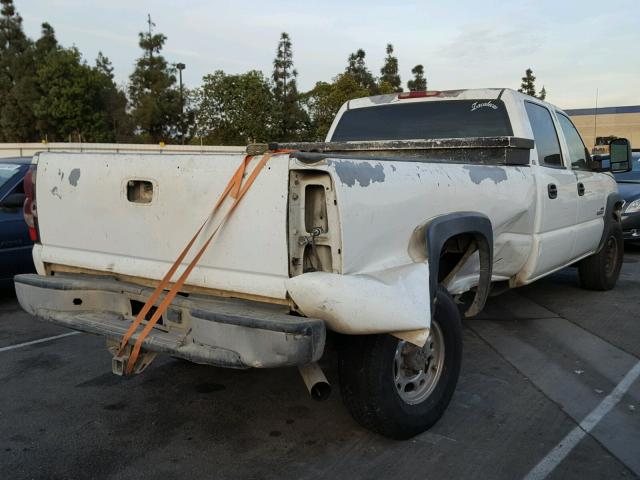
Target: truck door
557,199
590,187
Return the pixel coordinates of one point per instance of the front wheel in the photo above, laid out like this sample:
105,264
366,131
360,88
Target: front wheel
601,270
397,389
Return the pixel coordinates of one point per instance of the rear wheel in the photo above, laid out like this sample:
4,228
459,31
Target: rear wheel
601,270
397,389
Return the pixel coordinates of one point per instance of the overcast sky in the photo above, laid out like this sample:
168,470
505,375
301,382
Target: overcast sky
573,47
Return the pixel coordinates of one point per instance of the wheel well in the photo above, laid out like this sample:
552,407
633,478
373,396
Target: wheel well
617,211
455,252
452,239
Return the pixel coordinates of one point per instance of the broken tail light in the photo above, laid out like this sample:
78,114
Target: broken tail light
29,208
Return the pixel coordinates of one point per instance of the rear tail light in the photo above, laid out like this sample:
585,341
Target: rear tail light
405,95
29,209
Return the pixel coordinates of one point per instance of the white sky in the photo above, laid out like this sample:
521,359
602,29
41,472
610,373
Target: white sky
573,46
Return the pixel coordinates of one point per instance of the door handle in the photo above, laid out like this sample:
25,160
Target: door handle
580,189
552,190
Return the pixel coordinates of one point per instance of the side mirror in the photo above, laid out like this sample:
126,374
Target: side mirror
15,200
620,154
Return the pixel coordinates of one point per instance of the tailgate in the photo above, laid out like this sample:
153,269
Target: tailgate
131,214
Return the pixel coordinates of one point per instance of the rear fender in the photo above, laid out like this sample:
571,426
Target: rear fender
388,301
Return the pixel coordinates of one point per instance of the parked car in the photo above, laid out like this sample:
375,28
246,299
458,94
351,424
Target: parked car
15,244
629,188
416,199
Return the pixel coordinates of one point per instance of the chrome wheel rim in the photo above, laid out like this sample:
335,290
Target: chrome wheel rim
416,371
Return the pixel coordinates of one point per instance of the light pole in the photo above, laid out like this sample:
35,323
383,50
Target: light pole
180,67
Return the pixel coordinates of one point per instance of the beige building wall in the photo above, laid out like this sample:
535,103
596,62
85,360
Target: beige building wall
626,125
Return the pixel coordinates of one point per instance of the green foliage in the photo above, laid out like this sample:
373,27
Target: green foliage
290,117
324,101
18,89
357,69
528,85
543,93
49,93
71,106
419,82
235,109
76,102
114,102
154,98
390,78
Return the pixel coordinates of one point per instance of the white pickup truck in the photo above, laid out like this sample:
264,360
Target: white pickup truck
416,207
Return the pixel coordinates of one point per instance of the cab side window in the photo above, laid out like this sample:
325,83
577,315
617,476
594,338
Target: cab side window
578,153
544,135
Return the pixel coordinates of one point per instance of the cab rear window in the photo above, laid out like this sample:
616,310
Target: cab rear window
425,120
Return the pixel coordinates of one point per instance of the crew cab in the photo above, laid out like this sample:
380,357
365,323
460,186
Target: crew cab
415,207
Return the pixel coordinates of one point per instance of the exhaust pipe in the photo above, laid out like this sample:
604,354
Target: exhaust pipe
316,382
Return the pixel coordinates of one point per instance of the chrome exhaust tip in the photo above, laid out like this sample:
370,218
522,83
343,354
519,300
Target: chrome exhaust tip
315,380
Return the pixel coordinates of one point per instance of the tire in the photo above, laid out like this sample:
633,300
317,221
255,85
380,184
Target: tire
368,367
601,270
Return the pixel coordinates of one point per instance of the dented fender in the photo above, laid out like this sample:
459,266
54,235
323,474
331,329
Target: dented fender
394,300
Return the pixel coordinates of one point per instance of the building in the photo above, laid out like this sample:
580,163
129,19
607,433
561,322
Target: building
609,122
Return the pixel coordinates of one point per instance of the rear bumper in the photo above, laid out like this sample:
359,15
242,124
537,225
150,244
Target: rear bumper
221,332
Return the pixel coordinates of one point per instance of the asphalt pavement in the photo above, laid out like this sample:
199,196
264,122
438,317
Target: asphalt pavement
549,388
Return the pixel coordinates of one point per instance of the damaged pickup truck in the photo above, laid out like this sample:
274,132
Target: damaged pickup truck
403,221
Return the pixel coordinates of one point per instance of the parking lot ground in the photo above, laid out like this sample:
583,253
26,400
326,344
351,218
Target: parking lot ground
538,361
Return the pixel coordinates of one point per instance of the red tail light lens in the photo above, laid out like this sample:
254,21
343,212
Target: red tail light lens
29,208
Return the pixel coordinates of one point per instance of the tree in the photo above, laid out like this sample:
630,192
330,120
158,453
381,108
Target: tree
235,109
324,101
543,93
154,99
528,83
76,102
104,65
389,71
18,89
290,116
358,70
45,48
47,43
528,86
419,83
71,106
114,101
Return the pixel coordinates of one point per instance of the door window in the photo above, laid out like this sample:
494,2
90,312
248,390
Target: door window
578,153
544,135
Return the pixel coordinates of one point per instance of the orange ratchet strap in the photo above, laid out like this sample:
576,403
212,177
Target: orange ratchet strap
236,190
